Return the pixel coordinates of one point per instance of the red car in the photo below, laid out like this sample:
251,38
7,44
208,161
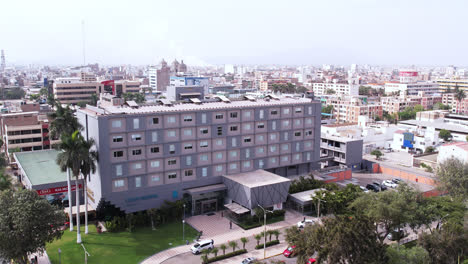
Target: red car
311,260
289,252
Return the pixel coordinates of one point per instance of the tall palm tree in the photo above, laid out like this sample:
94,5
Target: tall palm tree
459,95
71,159
88,166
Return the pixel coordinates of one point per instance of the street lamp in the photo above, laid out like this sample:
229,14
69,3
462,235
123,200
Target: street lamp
264,232
183,226
60,259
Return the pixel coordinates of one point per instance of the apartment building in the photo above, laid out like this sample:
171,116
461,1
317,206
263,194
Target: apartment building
339,88
449,99
415,140
451,84
152,153
397,104
336,150
430,88
348,109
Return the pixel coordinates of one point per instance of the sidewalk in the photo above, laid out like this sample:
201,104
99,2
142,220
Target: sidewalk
42,258
258,254
224,234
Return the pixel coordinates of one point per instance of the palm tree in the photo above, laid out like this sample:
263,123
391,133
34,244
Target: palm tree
258,237
5,182
270,233
233,244
276,233
204,255
70,160
223,248
244,240
459,95
63,120
88,166
152,212
215,251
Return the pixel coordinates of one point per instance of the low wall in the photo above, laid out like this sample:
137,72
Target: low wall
399,173
339,176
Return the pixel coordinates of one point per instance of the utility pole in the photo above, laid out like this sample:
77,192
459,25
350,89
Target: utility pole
264,232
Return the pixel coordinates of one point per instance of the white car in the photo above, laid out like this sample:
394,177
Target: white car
202,245
305,222
389,183
364,189
249,260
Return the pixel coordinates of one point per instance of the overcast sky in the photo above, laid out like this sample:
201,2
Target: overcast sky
421,32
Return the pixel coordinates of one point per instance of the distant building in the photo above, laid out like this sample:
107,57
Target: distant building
337,150
339,88
458,150
347,109
190,81
452,84
159,78
415,140
409,85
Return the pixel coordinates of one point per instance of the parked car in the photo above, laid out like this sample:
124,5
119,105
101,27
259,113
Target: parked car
396,234
249,260
311,260
200,246
397,181
289,252
381,187
389,183
364,189
372,187
304,223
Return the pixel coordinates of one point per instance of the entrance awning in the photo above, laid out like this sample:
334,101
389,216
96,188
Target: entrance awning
208,188
236,208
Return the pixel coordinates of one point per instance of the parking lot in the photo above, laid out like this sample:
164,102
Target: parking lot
366,178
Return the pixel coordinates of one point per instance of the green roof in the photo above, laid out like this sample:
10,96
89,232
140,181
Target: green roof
40,166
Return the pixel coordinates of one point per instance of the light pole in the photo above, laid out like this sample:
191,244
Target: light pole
183,226
86,254
264,232
60,258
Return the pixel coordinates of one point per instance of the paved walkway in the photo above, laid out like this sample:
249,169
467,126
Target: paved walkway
221,233
42,258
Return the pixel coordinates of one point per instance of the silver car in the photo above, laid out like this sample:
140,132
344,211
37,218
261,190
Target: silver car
249,260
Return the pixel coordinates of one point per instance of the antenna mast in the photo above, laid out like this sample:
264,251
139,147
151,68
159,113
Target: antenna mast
83,37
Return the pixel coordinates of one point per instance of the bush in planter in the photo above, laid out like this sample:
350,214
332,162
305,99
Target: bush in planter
228,255
268,244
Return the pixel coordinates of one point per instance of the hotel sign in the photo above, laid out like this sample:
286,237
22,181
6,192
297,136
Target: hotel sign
57,190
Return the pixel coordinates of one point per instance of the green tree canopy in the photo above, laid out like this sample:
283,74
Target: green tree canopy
445,134
63,121
453,177
27,223
377,153
401,254
327,109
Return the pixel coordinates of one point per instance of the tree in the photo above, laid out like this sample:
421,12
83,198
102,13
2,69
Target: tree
72,158
94,99
429,149
327,109
418,108
244,240
330,91
204,255
465,139
459,96
445,134
34,97
337,201
51,100
223,248
441,106
5,182
44,92
400,254
28,222
152,213
63,121
233,244
258,237
215,251
377,153
276,233
88,166
453,177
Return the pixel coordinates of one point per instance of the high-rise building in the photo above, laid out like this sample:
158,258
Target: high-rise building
3,63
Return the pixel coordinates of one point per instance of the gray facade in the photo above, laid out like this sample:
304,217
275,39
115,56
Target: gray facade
155,153
341,151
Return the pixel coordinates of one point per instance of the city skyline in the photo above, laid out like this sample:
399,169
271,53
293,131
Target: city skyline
260,32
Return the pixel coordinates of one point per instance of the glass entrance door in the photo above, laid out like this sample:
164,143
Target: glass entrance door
209,206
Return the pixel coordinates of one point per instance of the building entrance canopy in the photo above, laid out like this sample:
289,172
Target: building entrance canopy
236,208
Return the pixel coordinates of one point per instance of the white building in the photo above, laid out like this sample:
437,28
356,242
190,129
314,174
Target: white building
457,150
339,88
153,77
409,85
415,140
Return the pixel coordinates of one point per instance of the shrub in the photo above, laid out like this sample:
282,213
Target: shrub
268,244
228,255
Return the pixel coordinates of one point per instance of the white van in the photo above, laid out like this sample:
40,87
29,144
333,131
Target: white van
200,246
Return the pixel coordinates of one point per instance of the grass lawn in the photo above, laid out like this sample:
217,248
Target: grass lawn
122,247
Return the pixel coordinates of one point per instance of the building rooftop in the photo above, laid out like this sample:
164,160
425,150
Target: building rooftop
40,166
437,124
256,178
306,196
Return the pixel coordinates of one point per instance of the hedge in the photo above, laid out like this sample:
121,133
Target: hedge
228,255
268,244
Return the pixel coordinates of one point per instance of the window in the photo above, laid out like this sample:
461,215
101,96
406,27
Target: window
136,137
137,182
297,134
203,118
204,130
172,175
154,150
117,139
261,113
274,112
119,183
284,158
188,146
273,125
171,149
118,170
247,114
219,116
171,119
219,168
116,123
261,125
298,146
171,133
233,114
233,166
260,138
247,153
273,160
285,123
188,118
309,109
286,135
188,160
219,142
286,111
219,155
233,128
233,153
297,122
308,133
308,144
246,164
137,166
204,172
155,120
154,136
155,164
272,136
298,110
136,152
260,150
136,123
284,146
188,173
187,132
234,142
204,157
272,148
247,126
155,178
247,140
308,156
118,154
220,131
203,144
261,163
